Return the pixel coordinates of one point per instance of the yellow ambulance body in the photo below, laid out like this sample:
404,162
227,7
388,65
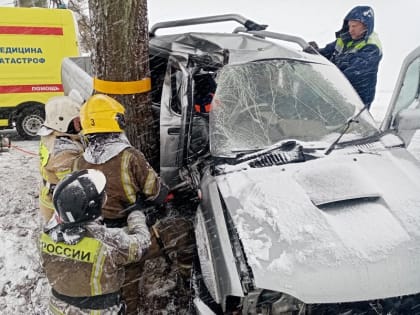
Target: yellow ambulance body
33,42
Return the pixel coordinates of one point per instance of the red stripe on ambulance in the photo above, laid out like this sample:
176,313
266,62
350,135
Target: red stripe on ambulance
31,30
31,88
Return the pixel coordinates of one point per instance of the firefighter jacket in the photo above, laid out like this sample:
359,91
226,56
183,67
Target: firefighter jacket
128,174
94,266
57,152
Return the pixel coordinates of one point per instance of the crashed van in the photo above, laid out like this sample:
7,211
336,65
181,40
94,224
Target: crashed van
304,205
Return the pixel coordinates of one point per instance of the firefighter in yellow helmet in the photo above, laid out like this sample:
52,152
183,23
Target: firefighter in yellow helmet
59,145
107,149
129,176
83,259
131,181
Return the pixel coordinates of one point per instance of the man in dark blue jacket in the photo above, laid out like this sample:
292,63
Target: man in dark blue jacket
357,52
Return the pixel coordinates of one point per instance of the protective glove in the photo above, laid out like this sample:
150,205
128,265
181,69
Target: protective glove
312,48
147,208
136,222
137,228
314,45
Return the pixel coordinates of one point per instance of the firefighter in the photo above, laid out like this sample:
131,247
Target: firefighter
107,148
59,145
83,259
130,181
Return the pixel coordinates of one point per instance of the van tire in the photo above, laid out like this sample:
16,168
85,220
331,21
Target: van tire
29,121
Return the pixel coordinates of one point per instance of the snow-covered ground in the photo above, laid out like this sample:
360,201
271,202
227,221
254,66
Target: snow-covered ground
23,288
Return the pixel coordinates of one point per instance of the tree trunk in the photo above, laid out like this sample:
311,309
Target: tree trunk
32,3
122,54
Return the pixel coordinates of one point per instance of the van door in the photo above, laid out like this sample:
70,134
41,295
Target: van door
173,133
403,114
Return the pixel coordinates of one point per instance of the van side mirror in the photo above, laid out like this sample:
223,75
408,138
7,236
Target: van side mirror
406,123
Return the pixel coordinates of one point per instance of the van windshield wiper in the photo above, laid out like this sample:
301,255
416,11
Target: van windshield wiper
286,151
346,127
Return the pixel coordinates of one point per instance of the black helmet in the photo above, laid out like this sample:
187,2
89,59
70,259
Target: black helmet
79,196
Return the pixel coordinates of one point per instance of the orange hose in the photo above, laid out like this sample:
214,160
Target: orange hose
24,151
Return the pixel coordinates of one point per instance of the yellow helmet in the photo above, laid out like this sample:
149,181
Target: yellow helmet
101,114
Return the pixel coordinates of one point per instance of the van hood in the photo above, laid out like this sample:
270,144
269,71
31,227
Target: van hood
340,228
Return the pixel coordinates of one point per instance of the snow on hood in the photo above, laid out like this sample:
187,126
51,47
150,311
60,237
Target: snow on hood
335,229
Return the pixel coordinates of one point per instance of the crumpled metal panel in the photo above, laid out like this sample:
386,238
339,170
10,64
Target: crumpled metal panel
241,48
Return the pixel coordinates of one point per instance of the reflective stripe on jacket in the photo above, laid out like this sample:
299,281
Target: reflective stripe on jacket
127,173
352,47
94,266
57,152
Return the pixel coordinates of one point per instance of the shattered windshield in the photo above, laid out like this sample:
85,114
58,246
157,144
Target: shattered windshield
261,103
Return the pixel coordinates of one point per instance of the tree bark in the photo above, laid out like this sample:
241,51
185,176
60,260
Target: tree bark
32,3
122,54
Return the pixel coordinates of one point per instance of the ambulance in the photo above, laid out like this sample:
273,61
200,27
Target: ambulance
33,42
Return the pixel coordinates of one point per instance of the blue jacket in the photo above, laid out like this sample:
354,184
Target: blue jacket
358,60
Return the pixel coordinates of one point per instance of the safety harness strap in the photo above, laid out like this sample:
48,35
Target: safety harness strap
97,302
118,87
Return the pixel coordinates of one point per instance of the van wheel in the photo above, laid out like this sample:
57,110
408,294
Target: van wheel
29,121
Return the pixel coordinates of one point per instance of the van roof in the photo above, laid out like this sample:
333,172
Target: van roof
246,43
240,48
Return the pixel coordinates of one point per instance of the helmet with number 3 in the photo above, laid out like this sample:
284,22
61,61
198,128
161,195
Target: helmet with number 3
102,114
